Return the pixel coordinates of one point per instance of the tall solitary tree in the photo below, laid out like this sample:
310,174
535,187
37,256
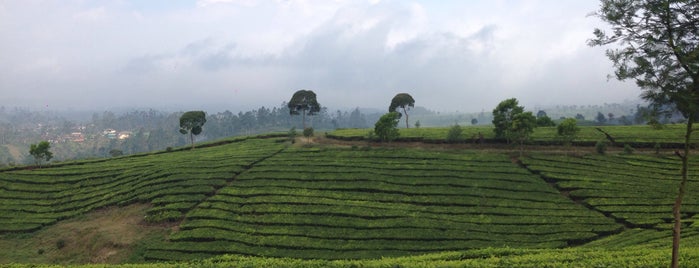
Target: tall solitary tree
657,46
404,101
303,102
40,152
503,115
192,122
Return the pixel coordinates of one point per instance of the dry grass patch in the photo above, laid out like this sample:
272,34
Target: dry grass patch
109,235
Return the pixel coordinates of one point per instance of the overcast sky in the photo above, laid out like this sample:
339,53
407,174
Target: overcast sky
240,54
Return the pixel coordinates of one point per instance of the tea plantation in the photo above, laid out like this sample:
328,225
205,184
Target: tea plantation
267,202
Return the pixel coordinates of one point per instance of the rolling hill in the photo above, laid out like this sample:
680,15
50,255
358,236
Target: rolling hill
264,200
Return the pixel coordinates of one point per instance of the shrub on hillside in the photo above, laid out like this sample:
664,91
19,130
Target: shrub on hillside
292,134
601,147
308,132
454,134
386,129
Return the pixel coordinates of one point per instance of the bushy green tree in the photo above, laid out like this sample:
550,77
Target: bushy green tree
656,44
303,102
523,125
192,122
503,116
386,129
454,134
292,134
567,130
403,101
545,121
601,119
40,152
308,132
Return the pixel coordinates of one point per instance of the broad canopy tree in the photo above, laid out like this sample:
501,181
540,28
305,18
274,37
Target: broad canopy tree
304,102
567,130
403,101
656,44
503,116
40,152
192,122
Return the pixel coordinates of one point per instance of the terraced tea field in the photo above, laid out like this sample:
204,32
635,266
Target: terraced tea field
268,202
365,204
636,190
637,135
174,182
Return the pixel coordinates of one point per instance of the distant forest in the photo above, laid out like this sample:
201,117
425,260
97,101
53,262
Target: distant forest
104,134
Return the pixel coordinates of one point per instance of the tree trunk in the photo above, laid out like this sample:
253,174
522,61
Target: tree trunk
191,138
303,119
406,117
676,230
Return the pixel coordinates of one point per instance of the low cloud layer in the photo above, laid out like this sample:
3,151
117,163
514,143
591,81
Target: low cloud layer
215,55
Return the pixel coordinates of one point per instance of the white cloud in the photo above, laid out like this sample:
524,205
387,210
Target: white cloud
462,55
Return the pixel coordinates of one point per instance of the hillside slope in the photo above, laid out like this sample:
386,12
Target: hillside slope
263,197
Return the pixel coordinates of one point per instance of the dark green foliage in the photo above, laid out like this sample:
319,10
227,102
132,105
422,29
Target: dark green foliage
567,130
454,134
192,122
628,149
386,129
503,116
474,121
116,152
545,121
404,101
523,125
657,147
308,132
41,152
601,147
417,124
303,102
601,119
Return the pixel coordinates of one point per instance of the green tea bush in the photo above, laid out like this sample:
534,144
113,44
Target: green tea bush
601,147
308,132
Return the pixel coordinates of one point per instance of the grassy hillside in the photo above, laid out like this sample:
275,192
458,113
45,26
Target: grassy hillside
265,201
